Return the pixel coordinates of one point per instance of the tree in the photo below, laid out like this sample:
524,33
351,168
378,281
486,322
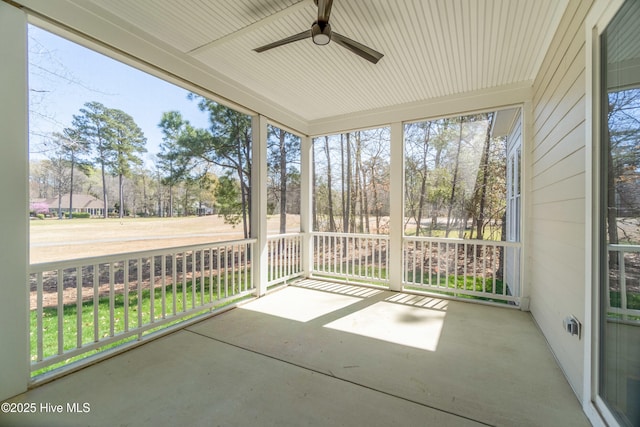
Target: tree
332,221
127,142
71,148
454,182
621,141
227,145
283,155
346,181
94,127
115,140
228,203
482,181
39,208
58,169
172,161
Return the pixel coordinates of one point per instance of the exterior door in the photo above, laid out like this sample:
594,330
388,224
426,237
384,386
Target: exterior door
619,328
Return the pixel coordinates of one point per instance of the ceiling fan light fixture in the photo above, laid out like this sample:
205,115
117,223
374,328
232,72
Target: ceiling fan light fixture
321,33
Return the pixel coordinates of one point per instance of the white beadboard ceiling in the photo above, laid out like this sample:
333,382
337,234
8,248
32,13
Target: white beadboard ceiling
432,48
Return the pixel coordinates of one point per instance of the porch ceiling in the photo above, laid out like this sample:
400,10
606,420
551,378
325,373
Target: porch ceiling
433,49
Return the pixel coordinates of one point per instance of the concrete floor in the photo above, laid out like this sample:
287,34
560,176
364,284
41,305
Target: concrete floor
320,354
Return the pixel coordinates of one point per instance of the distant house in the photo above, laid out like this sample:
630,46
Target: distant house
81,203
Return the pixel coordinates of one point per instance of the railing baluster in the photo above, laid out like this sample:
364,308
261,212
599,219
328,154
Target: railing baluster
96,301
341,257
475,265
484,268
40,315
289,257
194,279
78,307
163,283
251,255
375,263
218,272
174,279
406,247
211,274
323,252
455,265
112,300
623,284
201,274
283,257
246,267
139,268
152,289
60,289
422,261
494,269
359,247
226,271
126,295
464,267
272,260
233,270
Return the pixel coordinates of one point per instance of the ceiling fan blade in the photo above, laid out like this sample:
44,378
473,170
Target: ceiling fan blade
357,48
300,36
324,10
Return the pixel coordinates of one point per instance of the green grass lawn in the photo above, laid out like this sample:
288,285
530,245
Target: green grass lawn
184,300
451,282
633,303
462,283
633,300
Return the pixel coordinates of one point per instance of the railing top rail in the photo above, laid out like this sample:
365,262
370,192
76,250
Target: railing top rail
285,235
623,247
458,240
72,263
359,235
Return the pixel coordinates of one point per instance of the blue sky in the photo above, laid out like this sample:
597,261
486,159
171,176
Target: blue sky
63,76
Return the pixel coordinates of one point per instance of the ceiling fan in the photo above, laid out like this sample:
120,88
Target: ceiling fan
321,34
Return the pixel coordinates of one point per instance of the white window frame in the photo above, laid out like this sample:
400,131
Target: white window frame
601,14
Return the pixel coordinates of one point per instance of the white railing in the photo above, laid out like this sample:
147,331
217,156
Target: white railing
353,257
624,282
284,258
82,305
470,268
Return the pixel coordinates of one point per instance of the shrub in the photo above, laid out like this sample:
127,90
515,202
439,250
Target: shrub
77,215
39,208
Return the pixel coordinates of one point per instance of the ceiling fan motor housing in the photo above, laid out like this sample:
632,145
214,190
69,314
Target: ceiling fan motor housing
321,33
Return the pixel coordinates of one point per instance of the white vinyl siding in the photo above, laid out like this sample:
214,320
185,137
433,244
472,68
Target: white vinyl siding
557,222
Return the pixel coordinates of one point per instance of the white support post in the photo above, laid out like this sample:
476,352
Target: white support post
259,262
396,196
525,202
14,215
306,202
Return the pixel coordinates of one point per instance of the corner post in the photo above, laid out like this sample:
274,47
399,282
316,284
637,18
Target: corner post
14,216
306,200
258,212
396,214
